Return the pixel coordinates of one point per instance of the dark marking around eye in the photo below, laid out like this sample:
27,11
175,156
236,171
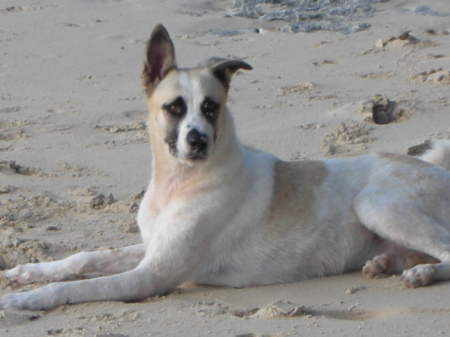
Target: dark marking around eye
210,109
177,108
171,141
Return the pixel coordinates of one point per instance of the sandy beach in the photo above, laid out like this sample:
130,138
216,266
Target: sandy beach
75,158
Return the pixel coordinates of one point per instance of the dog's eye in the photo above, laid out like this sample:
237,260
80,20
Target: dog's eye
177,108
209,107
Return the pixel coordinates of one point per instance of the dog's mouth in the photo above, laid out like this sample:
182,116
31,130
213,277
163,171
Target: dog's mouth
196,146
192,156
197,156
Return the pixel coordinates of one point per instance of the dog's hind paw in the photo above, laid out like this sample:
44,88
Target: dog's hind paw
377,267
419,276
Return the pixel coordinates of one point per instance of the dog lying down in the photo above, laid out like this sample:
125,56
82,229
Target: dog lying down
218,213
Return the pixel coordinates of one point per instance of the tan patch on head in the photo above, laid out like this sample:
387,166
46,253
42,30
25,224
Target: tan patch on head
166,90
294,197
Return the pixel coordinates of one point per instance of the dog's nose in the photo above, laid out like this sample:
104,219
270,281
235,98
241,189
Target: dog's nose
197,141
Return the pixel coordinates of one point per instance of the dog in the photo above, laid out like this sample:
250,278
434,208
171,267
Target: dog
218,213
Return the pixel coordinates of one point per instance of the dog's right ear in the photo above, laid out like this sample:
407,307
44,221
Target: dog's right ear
159,58
223,69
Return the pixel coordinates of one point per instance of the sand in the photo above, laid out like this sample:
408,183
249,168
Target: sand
74,155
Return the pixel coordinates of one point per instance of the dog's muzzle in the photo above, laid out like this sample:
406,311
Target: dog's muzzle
198,144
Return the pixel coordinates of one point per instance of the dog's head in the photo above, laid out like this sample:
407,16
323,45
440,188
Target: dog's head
187,105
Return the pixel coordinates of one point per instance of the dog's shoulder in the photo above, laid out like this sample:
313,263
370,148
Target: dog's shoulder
305,172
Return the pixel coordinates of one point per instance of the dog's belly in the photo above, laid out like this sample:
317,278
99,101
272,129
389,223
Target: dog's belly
292,258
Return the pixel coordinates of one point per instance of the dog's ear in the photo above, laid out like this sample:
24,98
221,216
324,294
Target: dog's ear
223,69
159,58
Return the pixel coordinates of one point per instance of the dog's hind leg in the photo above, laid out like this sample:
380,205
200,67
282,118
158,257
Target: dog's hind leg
394,260
402,220
112,261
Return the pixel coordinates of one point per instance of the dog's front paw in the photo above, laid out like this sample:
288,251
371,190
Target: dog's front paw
24,274
377,267
419,276
13,301
38,299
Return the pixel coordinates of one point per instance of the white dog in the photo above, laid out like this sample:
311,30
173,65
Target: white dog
221,214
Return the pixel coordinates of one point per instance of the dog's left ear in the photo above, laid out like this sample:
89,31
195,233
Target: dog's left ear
159,58
223,69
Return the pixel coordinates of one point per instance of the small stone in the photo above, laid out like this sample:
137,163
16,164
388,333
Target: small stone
380,43
52,228
97,201
54,332
353,290
109,200
420,149
6,189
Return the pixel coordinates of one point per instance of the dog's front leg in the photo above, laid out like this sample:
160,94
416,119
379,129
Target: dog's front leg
172,256
112,261
151,277
133,285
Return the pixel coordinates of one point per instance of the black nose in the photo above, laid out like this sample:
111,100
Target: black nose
198,142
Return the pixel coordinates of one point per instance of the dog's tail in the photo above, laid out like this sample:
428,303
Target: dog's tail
438,154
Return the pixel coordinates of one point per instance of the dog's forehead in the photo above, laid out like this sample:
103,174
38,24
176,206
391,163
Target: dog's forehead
192,84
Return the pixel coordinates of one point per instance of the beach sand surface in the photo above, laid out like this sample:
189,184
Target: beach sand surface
75,158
